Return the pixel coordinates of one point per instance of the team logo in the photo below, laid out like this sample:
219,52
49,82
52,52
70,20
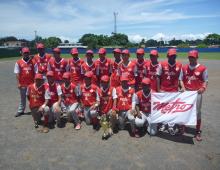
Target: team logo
197,73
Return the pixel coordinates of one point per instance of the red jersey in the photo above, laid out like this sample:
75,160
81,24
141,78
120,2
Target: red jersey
129,70
115,78
103,68
106,100
26,71
140,71
52,91
69,94
124,100
58,68
151,73
89,95
36,96
169,77
75,70
42,62
86,68
193,79
144,101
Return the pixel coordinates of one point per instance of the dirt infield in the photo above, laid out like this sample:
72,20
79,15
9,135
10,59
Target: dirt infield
21,147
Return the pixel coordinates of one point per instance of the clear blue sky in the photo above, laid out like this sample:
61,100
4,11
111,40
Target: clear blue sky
70,19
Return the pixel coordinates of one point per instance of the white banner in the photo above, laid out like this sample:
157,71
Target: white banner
179,108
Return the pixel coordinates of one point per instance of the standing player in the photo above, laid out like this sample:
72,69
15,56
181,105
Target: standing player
151,68
169,81
53,94
58,65
124,101
127,68
37,103
115,78
25,70
75,65
195,78
90,100
140,68
42,59
108,99
70,98
141,104
89,65
103,65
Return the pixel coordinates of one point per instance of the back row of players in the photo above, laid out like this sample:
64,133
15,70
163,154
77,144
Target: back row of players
119,88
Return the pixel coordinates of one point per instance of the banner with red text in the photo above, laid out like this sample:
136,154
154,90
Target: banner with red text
179,108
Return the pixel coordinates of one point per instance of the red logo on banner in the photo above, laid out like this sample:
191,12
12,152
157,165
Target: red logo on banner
172,107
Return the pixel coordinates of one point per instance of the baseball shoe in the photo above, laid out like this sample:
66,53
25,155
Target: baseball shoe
198,136
45,129
172,131
162,128
78,126
19,114
36,124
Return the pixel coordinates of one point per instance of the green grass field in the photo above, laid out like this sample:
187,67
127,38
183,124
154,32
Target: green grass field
206,56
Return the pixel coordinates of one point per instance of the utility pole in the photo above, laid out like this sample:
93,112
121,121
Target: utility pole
115,22
35,36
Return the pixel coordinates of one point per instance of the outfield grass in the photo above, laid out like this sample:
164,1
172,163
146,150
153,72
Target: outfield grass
207,56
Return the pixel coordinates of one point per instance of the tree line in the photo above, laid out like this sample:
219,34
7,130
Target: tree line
119,40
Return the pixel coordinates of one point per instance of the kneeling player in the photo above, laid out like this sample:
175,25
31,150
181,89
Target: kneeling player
90,100
124,101
70,98
108,103
53,95
141,103
37,104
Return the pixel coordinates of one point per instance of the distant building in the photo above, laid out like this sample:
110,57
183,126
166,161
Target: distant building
71,45
14,44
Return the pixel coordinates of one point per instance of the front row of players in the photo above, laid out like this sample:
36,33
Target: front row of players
117,105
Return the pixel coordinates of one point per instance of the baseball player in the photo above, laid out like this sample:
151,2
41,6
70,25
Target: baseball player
195,78
25,70
168,80
151,68
37,103
42,59
103,64
90,100
140,68
124,101
53,94
108,99
115,78
70,94
75,65
141,106
89,65
127,68
58,65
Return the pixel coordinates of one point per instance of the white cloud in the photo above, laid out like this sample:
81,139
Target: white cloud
136,38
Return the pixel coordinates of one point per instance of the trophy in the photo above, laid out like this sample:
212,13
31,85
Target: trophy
105,125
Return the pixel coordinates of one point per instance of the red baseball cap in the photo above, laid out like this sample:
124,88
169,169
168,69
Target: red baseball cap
50,74
124,78
74,51
105,78
89,74
117,50
154,52
126,51
25,50
38,76
193,53
102,51
140,51
146,81
171,52
89,52
56,50
40,45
